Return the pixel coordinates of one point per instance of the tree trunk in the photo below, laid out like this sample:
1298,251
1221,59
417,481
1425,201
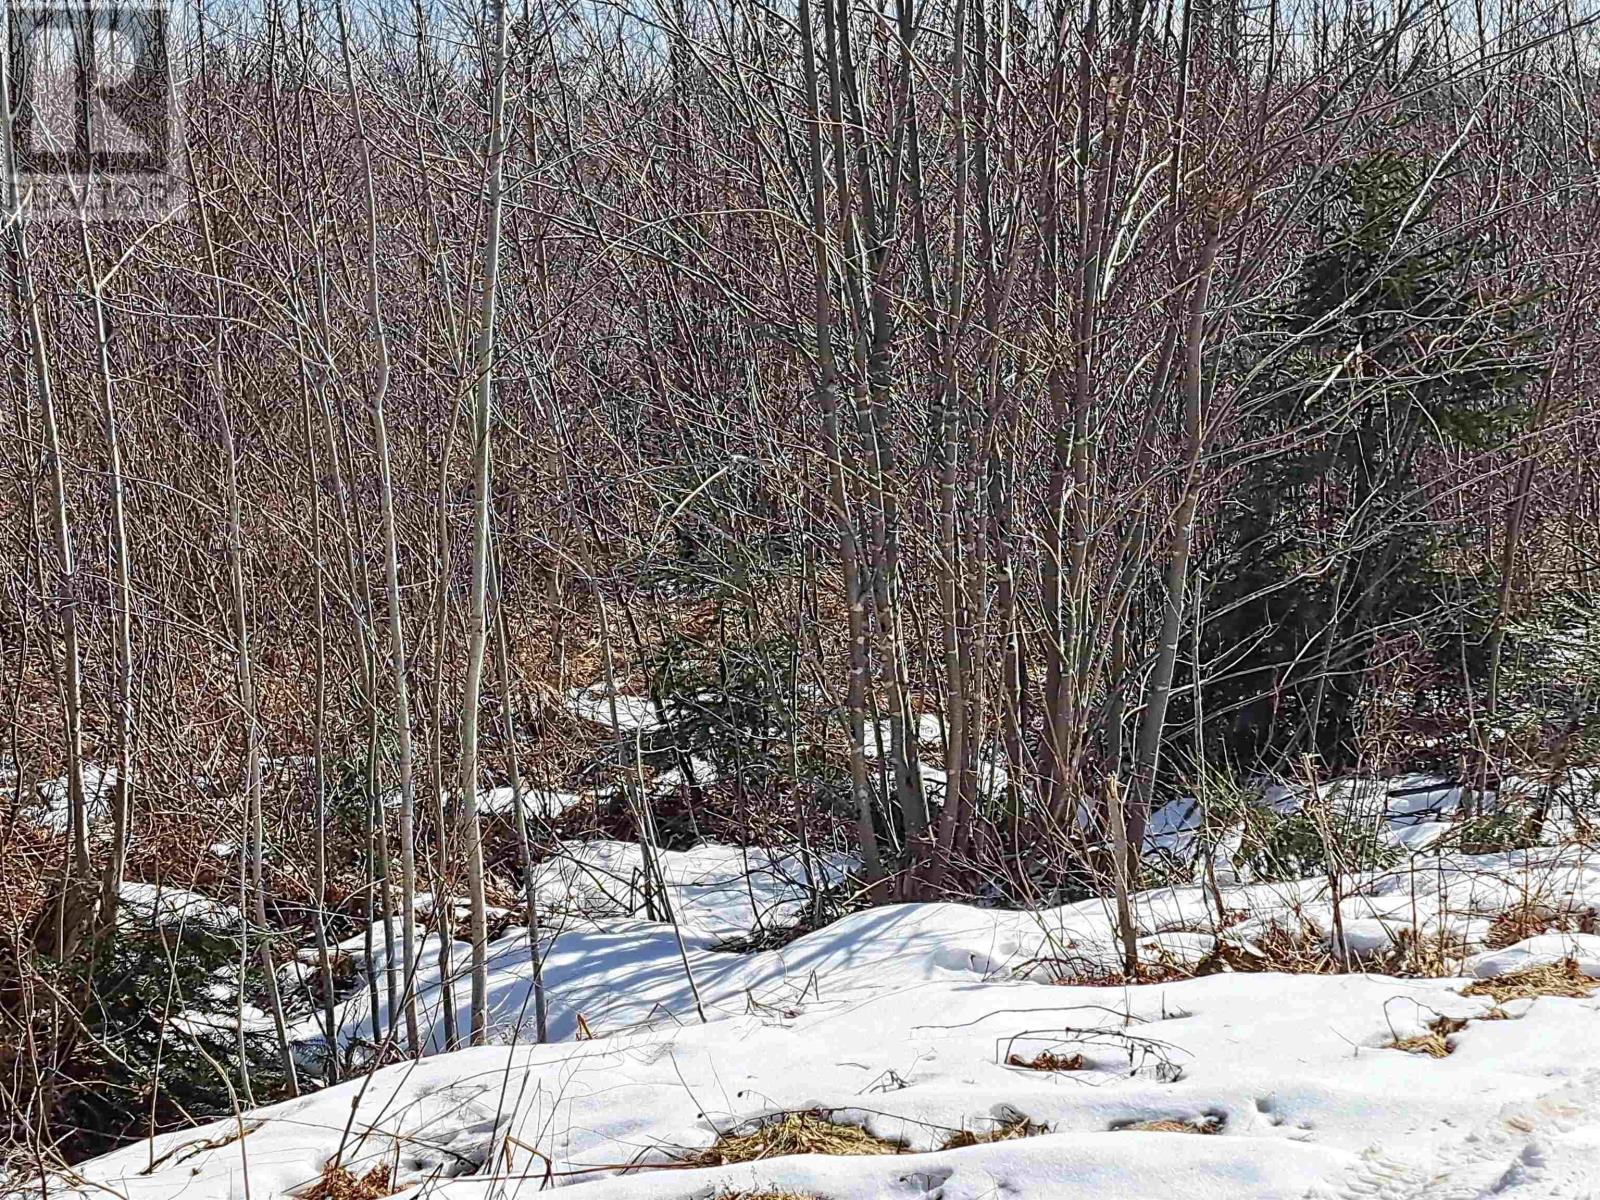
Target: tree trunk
478,626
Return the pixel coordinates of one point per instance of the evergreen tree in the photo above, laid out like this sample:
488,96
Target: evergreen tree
1388,349
156,1047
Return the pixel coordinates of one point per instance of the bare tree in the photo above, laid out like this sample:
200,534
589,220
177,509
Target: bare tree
482,424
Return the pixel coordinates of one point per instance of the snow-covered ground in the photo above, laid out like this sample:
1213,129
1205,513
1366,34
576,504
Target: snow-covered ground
916,1021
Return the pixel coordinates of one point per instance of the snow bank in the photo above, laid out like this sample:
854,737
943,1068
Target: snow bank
1542,950
717,891
160,907
607,963
918,1022
1294,1068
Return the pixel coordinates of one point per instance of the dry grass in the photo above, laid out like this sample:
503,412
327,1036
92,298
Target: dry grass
1301,951
1295,953
1209,1124
1514,925
1292,952
340,1183
1081,970
1010,1131
1529,919
1436,1042
1436,955
1046,1060
792,1133
766,1196
1552,979
1432,1044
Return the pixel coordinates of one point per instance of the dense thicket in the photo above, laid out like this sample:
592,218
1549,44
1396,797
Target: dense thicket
1134,386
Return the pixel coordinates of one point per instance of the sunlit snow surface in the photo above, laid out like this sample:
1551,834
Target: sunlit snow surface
904,1019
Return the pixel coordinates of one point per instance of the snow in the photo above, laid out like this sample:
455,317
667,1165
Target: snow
161,907
536,802
911,1021
716,891
1541,950
927,726
1412,812
594,704
589,895
704,771
50,809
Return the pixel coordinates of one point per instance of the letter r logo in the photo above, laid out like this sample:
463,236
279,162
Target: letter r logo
92,90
